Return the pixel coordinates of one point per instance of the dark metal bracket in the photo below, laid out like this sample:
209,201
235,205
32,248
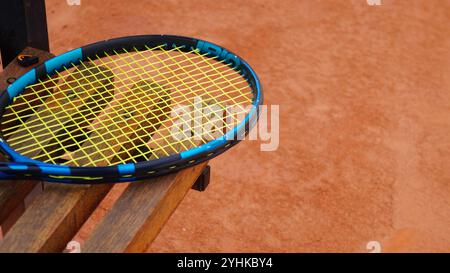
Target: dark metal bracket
203,180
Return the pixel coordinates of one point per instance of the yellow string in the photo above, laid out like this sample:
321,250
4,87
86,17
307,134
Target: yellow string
73,135
87,104
63,90
185,75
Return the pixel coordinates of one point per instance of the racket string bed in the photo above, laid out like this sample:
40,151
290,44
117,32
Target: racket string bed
119,107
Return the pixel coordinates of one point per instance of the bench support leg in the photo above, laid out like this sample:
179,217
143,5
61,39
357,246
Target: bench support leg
203,180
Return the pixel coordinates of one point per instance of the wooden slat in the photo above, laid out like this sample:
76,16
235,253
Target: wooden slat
53,218
12,193
140,213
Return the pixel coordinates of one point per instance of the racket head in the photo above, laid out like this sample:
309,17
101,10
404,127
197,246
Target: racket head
122,171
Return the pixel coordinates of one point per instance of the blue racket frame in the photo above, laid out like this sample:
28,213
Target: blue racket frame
24,167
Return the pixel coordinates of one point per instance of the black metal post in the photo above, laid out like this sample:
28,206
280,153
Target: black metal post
22,23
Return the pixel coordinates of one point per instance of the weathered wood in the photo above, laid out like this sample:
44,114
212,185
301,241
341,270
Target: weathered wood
140,213
53,218
12,193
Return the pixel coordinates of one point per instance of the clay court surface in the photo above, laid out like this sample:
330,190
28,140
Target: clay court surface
364,101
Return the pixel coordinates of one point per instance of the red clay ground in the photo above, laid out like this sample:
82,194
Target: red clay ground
364,103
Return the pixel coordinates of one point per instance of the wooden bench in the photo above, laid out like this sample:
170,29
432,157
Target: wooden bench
44,217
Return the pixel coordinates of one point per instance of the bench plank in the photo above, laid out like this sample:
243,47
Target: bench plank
138,216
12,194
53,218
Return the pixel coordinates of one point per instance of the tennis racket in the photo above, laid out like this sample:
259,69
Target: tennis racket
126,109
